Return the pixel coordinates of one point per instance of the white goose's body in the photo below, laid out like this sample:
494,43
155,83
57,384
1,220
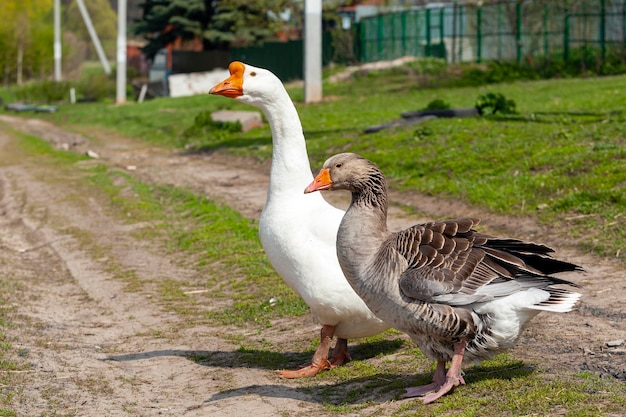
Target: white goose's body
458,293
298,232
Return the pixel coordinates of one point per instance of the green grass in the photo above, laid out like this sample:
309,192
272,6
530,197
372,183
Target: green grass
10,378
564,153
503,386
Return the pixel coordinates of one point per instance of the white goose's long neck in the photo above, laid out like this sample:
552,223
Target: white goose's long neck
291,169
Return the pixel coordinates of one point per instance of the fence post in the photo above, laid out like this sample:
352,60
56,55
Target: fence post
603,29
499,29
546,19
566,36
441,20
479,35
583,59
454,23
379,39
403,22
363,42
428,39
461,33
391,50
518,31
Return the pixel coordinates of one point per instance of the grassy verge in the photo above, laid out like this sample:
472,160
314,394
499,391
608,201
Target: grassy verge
217,241
562,158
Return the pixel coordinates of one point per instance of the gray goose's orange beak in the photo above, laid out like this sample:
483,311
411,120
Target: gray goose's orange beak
232,86
321,182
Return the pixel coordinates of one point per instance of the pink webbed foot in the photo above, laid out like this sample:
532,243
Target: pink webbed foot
443,382
438,380
420,391
447,387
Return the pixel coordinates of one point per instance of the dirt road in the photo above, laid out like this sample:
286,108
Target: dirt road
96,349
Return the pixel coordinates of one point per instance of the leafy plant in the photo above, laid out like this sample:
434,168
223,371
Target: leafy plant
48,91
437,104
492,103
208,132
204,124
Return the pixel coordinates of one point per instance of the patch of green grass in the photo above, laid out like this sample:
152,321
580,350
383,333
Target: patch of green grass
128,197
159,121
564,152
34,146
503,386
11,380
226,246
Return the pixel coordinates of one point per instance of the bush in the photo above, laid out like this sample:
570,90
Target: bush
203,124
47,91
437,104
96,87
428,66
492,103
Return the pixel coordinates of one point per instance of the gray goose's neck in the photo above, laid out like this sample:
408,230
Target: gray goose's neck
371,195
363,231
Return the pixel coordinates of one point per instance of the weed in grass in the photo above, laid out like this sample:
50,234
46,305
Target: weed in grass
96,386
171,291
11,361
204,127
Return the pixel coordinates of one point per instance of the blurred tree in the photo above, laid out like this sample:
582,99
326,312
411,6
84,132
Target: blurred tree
215,23
165,21
26,34
244,22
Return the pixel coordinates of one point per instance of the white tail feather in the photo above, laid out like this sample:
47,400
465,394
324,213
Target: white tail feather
560,301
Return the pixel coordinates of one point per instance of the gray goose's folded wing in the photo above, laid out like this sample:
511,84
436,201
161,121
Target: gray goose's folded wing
451,263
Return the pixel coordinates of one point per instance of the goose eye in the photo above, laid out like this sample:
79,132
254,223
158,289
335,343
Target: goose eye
253,74
338,165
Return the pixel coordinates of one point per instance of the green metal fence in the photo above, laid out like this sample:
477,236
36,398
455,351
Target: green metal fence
535,32
508,30
285,59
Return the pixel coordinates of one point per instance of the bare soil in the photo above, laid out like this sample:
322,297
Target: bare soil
97,349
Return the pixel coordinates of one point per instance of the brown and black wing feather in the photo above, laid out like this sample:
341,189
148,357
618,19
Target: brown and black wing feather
451,263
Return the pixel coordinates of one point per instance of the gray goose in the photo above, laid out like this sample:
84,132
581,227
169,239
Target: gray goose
461,295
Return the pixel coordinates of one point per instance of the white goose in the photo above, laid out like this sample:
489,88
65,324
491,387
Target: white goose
299,232
458,293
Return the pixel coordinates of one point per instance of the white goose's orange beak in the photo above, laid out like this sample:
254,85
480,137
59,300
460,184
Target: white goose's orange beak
232,86
321,182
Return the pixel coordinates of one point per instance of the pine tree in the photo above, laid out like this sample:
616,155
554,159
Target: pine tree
217,23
